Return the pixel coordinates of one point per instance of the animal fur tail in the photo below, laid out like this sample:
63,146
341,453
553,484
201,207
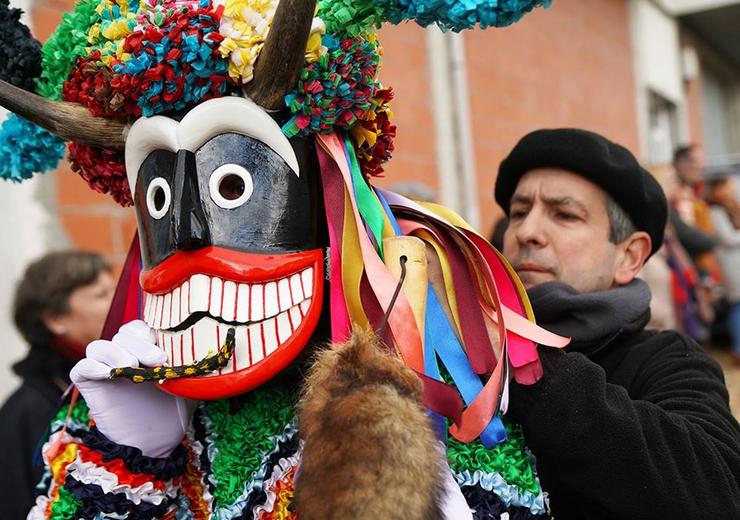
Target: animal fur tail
370,451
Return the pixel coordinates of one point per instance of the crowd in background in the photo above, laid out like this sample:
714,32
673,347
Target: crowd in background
695,278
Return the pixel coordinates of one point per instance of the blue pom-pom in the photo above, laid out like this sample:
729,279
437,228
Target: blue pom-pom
26,149
457,15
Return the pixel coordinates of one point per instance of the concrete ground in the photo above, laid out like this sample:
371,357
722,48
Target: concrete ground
732,377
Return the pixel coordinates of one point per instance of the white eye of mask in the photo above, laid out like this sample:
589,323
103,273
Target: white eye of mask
230,186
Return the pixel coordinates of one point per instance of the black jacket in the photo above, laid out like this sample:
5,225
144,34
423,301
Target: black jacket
24,419
634,426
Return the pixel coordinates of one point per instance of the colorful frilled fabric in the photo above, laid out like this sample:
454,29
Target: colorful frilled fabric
123,59
240,458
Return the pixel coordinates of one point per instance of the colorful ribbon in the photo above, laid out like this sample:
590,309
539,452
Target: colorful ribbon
488,327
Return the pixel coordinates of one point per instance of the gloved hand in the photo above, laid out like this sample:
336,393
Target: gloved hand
132,414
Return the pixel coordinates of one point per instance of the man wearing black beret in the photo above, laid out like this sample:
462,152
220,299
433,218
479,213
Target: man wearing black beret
625,423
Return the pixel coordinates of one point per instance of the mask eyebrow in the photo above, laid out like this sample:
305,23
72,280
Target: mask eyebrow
146,135
234,115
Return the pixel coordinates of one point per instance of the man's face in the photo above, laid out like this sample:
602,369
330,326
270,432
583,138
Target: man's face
559,230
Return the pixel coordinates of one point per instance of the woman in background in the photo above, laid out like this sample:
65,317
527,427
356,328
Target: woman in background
60,306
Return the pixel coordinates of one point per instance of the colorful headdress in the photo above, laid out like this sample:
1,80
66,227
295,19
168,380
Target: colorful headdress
125,59
111,62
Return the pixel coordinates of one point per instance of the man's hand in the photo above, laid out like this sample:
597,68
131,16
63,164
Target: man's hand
138,415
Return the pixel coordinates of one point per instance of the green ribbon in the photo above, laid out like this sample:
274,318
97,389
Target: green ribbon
80,412
62,49
65,507
242,439
370,209
510,459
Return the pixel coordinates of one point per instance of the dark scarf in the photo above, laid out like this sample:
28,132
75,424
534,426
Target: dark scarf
593,318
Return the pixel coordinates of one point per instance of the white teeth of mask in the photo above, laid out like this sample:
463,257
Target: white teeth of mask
228,309
242,303
264,316
271,299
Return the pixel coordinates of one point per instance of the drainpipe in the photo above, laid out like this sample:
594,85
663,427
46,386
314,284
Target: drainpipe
453,129
463,125
442,110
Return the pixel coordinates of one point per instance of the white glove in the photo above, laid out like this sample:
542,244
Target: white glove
132,414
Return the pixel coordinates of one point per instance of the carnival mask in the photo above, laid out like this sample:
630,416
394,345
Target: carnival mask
227,220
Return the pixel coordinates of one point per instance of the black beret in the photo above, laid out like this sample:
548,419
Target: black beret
608,165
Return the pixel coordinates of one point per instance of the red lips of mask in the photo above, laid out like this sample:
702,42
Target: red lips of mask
273,301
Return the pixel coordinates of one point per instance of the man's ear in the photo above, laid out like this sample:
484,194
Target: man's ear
633,253
57,324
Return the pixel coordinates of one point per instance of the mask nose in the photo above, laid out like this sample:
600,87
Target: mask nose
189,224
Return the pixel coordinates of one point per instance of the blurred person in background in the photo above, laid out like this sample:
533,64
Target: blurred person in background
678,299
690,214
693,229
60,306
725,211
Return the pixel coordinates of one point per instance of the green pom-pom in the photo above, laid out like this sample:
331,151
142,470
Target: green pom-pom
62,49
348,18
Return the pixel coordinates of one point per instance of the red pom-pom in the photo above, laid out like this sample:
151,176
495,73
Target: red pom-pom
90,84
103,170
376,124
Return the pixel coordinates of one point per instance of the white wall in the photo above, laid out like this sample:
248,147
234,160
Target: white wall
28,230
657,61
681,7
657,40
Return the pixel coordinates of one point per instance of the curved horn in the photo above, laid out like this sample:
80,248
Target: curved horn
69,121
280,63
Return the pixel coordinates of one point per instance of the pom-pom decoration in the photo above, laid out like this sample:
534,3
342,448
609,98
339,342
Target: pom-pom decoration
245,25
20,53
349,18
336,90
62,49
373,135
117,20
176,66
457,15
124,59
91,83
103,170
26,149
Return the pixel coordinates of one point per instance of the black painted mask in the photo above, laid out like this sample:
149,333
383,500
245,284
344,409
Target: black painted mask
227,210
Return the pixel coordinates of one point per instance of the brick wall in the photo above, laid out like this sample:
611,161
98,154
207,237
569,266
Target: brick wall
570,65
404,67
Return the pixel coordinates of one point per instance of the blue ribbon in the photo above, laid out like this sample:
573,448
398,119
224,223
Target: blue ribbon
442,339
